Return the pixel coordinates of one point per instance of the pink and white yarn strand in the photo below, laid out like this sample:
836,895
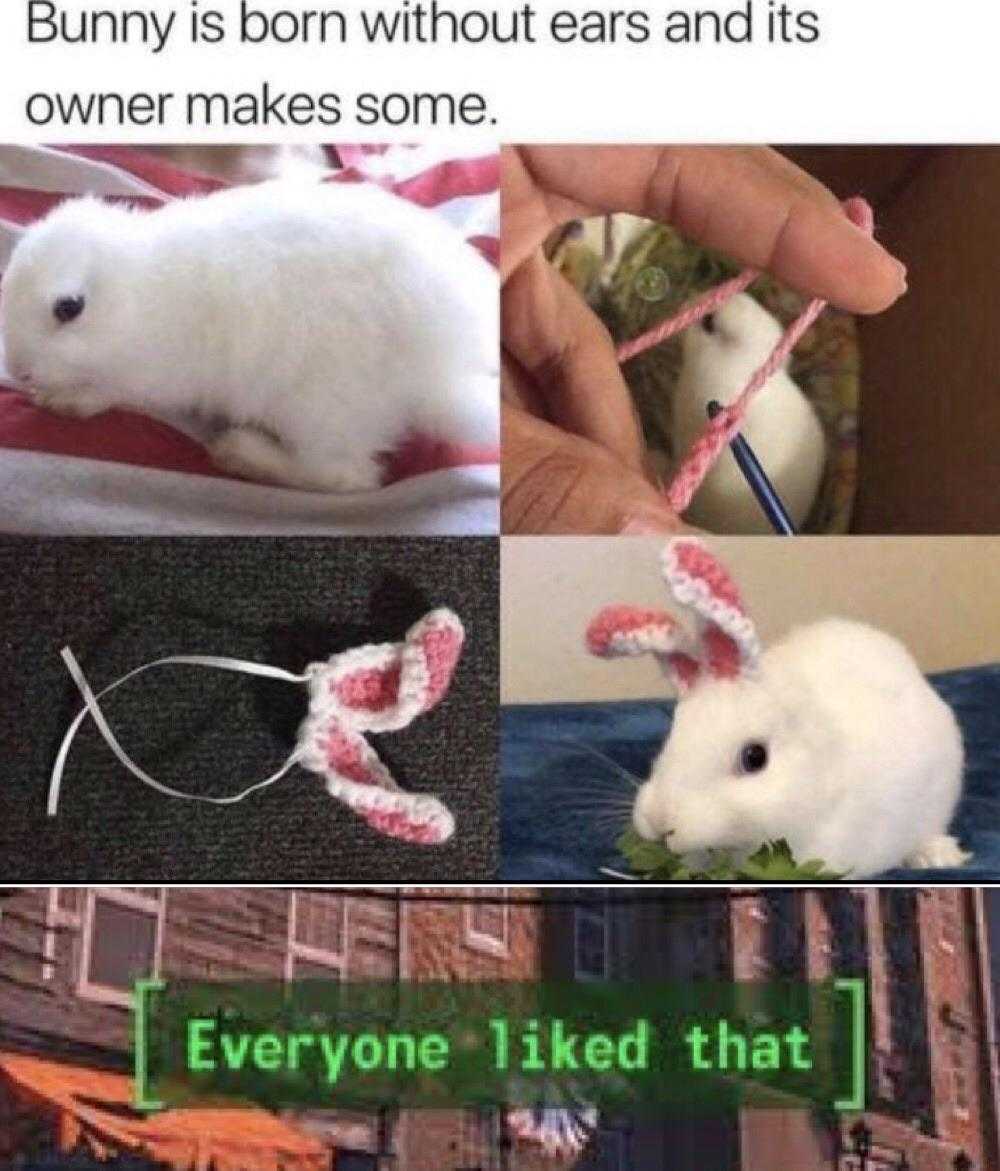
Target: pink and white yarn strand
720,431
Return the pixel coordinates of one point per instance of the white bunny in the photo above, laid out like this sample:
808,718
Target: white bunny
720,353
321,323
832,739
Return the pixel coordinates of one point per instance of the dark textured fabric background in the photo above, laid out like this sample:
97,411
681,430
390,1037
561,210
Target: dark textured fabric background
565,795
120,603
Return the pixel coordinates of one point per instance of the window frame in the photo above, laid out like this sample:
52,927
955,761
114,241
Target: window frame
58,919
154,905
479,940
321,956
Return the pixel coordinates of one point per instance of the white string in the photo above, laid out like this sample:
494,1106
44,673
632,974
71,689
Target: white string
92,708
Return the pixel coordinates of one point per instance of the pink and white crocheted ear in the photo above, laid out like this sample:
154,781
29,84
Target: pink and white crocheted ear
380,688
729,646
355,775
384,687
618,631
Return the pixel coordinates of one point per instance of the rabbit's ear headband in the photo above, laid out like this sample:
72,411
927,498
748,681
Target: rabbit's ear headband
379,688
724,644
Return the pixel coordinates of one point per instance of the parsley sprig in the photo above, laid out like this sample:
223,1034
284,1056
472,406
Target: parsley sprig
773,862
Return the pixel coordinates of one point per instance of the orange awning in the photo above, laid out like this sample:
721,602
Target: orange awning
95,1107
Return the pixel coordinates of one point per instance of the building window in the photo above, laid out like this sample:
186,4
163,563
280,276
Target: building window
480,1136
122,938
948,918
317,936
356,1160
591,941
487,924
846,915
786,930
705,949
959,1071
608,1151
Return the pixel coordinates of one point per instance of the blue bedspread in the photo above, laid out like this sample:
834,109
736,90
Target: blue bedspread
563,805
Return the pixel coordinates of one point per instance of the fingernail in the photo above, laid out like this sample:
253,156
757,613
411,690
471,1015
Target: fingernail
901,273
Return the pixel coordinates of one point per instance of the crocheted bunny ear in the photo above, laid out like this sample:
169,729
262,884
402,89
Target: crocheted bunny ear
380,688
384,687
354,774
729,646
618,631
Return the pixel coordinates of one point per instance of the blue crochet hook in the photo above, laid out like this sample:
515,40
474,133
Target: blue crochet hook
756,477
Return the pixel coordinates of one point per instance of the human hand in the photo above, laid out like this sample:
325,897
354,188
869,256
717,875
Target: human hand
573,456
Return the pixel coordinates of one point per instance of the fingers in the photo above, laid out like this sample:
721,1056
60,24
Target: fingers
568,356
558,483
526,216
747,202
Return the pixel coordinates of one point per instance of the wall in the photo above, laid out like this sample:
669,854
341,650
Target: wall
937,594
930,413
213,934
439,947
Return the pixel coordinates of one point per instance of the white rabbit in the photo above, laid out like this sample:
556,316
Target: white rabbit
321,323
832,739
720,353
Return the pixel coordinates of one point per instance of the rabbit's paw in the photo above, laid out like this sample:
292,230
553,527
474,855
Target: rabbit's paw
941,852
73,404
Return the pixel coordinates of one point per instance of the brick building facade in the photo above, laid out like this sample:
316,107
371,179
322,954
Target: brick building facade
67,957
932,1075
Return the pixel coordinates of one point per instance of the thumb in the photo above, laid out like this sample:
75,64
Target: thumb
553,482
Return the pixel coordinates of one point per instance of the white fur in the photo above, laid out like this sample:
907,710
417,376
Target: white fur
780,425
864,759
320,323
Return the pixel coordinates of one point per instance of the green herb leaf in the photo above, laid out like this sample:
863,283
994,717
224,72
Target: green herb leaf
772,862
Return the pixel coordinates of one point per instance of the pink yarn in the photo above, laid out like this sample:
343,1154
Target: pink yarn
345,754
692,560
441,647
614,621
369,689
720,431
670,326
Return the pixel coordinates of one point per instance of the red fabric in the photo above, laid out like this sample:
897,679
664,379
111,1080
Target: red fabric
118,436
150,168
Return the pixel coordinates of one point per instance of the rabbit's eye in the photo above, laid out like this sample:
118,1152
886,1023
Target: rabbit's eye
708,323
68,309
753,757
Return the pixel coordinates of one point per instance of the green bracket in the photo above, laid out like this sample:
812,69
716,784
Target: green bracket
854,987
142,991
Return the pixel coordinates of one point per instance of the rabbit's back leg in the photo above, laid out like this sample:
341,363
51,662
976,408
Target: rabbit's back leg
252,454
